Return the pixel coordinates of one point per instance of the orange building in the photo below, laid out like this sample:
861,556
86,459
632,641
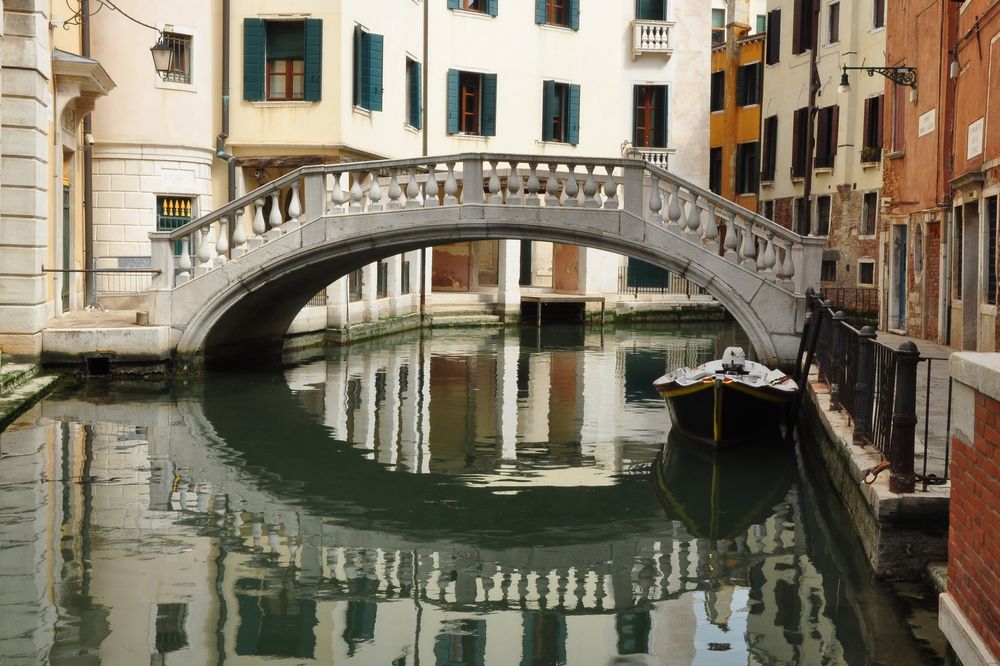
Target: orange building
734,154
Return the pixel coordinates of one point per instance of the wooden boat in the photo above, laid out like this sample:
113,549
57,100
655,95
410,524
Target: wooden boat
728,400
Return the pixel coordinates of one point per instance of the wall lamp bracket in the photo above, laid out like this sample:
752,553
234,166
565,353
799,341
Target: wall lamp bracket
904,76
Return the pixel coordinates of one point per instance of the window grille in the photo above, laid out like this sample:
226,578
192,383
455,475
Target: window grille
180,60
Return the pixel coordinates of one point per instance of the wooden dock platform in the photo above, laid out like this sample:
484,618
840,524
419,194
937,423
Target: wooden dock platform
540,299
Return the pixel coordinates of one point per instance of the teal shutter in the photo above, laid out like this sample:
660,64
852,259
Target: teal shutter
491,7
452,101
452,4
253,59
573,113
664,118
415,95
540,14
489,105
548,109
373,47
313,60
358,67
574,14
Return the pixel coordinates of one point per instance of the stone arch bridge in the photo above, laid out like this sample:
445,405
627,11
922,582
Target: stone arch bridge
230,282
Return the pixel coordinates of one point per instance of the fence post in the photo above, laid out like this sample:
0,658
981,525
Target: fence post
838,344
863,385
825,338
904,420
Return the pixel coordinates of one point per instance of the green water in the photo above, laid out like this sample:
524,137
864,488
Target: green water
461,497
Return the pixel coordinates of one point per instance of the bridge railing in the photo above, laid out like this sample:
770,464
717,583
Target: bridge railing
648,192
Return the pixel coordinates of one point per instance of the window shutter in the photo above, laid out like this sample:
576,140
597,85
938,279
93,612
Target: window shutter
452,101
313,87
867,132
797,138
661,132
879,105
635,116
773,36
548,106
834,129
253,59
797,28
489,105
491,7
416,81
373,45
823,138
573,127
452,4
741,86
359,73
540,14
574,14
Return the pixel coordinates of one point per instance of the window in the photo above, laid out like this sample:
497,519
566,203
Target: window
866,273
171,634
991,250
878,14
404,277
871,150
367,69
172,212
826,136
747,168
828,271
482,6
799,151
414,83
802,34
898,118
282,60
767,209
715,169
565,13
773,48
748,84
472,103
382,279
560,112
957,252
650,117
869,214
823,215
770,156
354,285
761,23
718,102
651,10
718,26
833,23
180,57
800,216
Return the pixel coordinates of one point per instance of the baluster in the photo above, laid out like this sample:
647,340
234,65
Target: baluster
239,229
413,189
571,189
769,255
204,250
731,243
514,185
655,203
494,184
294,204
274,219
711,232
533,185
788,267
610,189
451,187
761,242
552,187
431,194
184,261
693,216
590,190
222,243
356,194
395,191
375,194
748,248
779,264
338,196
674,211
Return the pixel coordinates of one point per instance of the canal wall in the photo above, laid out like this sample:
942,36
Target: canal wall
21,386
901,533
969,613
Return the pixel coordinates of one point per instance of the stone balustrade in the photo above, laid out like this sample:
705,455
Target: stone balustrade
652,37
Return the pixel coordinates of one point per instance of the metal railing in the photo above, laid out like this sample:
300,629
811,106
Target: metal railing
661,282
115,282
853,300
877,386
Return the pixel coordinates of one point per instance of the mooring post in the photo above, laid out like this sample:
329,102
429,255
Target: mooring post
904,420
863,385
825,344
838,341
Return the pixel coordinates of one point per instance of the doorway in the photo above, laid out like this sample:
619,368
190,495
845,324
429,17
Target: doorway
899,236
67,249
970,277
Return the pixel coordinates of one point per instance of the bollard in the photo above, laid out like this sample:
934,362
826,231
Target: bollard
904,420
838,344
863,386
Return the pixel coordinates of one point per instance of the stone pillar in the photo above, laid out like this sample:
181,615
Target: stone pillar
337,304
506,396
24,193
508,287
369,291
394,284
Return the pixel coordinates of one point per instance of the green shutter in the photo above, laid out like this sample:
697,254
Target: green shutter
373,48
635,116
489,105
663,135
452,4
548,109
540,14
313,60
651,10
452,101
253,59
491,7
415,95
358,73
573,114
574,14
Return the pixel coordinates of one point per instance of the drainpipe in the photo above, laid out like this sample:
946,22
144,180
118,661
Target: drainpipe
810,116
426,123
230,164
88,173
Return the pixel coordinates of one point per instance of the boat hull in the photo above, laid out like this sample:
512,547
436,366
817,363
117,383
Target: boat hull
723,411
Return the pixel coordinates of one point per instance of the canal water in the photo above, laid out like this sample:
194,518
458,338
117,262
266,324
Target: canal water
456,497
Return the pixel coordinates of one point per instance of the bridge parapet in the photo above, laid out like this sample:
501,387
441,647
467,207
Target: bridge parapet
744,238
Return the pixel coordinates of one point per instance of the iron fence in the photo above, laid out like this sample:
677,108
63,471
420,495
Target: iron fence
855,300
114,282
636,279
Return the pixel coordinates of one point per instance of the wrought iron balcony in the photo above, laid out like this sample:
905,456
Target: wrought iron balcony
652,37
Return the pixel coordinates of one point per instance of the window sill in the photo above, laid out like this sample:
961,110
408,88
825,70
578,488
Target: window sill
173,85
822,171
362,111
767,183
866,236
798,179
411,129
556,27
896,154
472,14
281,103
553,142
469,137
867,166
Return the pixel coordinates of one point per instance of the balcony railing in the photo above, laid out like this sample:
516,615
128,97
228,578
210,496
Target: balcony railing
652,37
657,156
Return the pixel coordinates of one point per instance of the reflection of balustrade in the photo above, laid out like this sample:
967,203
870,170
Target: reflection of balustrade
652,37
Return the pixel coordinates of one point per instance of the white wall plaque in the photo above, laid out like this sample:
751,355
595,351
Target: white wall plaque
927,123
975,140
